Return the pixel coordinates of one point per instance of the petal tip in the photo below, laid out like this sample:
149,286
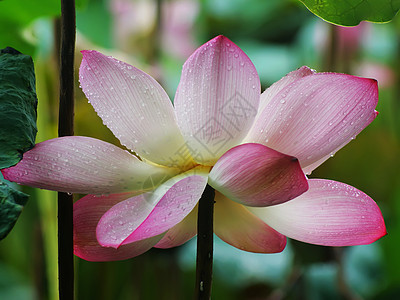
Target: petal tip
11,174
220,38
283,244
86,52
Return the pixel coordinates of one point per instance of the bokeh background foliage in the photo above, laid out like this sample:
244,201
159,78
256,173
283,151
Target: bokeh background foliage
157,36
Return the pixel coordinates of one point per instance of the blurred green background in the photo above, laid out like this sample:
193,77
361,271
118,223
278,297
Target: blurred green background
157,36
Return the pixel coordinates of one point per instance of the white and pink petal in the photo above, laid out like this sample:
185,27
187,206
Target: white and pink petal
255,175
152,213
77,164
315,116
217,99
285,81
87,213
235,225
330,213
135,108
181,232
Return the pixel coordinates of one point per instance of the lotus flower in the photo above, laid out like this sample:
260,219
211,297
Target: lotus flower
253,149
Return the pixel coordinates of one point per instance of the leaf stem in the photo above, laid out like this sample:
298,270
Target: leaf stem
65,128
204,260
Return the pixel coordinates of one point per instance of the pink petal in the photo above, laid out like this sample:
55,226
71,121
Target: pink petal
85,165
315,116
181,232
152,213
87,213
235,225
217,99
135,108
255,175
330,213
285,81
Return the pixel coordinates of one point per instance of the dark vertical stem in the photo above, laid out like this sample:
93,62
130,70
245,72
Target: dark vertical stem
66,127
204,259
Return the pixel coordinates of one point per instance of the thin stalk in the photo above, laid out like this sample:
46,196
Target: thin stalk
204,261
65,128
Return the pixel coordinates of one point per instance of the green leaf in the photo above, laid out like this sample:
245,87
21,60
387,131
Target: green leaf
352,12
18,104
11,205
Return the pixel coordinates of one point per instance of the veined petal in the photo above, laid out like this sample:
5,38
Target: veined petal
285,81
87,213
315,116
78,164
330,213
255,175
308,169
181,232
217,99
235,225
152,213
135,108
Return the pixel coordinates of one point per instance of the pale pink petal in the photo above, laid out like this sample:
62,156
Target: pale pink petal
135,108
315,116
152,213
255,175
87,213
217,99
181,232
330,213
285,81
77,164
235,225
